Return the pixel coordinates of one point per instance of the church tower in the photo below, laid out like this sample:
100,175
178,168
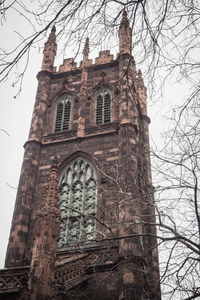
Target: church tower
83,223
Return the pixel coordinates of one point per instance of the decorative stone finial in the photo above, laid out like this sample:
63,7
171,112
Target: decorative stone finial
124,34
139,73
141,91
124,21
53,29
86,49
140,81
50,49
52,36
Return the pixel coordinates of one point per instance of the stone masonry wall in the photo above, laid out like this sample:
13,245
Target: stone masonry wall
117,150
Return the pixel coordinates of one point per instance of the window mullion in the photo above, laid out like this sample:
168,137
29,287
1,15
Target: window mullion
69,211
63,115
103,107
83,198
58,121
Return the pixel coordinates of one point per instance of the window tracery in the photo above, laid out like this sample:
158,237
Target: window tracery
77,201
103,106
63,110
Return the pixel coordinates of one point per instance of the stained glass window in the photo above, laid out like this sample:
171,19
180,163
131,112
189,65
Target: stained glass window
63,114
103,106
77,201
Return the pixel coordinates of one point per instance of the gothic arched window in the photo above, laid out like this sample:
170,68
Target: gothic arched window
77,202
103,106
63,109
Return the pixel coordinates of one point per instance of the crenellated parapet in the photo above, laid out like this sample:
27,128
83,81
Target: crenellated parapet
69,64
104,57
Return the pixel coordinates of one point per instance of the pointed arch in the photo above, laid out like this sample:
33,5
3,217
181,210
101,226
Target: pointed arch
75,155
78,202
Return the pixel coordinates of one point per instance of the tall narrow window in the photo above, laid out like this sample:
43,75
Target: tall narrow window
63,114
103,106
77,201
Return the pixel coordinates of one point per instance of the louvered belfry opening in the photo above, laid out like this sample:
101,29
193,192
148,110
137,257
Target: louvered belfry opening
103,106
99,106
63,114
107,104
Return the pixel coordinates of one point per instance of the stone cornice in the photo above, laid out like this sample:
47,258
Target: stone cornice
44,73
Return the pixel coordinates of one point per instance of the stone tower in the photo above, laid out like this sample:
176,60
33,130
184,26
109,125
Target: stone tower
82,224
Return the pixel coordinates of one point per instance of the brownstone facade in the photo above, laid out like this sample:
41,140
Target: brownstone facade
121,261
